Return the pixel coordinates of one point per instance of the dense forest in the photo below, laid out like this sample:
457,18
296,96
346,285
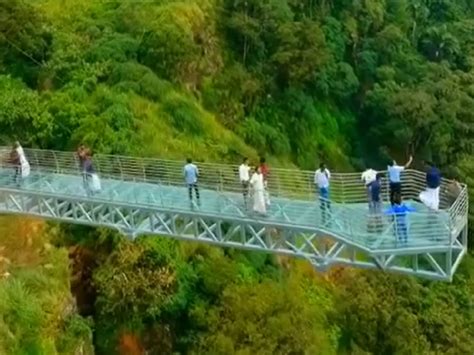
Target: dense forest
348,82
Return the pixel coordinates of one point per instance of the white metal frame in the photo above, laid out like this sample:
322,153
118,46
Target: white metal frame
323,247
320,248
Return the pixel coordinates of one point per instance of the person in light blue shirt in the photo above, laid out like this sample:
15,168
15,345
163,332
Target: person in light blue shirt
394,177
191,175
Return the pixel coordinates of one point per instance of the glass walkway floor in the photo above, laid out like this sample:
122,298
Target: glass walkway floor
148,196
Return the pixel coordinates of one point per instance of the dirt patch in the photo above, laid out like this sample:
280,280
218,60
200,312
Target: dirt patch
129,344
22,241
83,263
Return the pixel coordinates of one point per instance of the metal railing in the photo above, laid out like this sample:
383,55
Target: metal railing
347,190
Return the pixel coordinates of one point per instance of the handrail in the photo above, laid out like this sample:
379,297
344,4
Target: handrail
347,189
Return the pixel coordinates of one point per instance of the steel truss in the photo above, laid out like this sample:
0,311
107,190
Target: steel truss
321,248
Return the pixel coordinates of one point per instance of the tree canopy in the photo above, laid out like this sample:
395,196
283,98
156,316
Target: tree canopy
347,82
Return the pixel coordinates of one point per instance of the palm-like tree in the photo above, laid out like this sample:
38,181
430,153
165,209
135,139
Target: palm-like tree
438,44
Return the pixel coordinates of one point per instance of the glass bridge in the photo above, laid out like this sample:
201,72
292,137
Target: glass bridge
148,196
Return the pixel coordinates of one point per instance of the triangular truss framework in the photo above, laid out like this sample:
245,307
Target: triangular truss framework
320,248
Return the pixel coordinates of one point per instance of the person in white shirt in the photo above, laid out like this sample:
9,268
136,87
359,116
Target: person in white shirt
21,164
395,182
244,177
322,176
191,174
368,176
258,185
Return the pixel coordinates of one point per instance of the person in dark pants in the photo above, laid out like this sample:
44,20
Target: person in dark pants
14,160
376,204
191,175
82,153
399,210
91,179
322,178
395,183
368,177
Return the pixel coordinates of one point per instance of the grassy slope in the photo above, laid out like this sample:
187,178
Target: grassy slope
37,311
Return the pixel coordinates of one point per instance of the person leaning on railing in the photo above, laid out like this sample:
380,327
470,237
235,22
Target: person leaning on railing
430,197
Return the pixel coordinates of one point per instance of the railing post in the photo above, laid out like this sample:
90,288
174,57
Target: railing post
278,186
221,181
120,167
36,158
56,162
97,160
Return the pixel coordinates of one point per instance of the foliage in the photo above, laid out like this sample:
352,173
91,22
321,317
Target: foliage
37,312
264,318
340,81
431,315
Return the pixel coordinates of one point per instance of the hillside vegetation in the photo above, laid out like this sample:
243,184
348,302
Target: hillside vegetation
348,82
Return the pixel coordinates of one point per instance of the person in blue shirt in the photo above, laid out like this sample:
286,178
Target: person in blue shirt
375,189
433,176
191,175
394,172
399,210
375,203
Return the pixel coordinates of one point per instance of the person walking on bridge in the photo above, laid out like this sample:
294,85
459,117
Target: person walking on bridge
92,183
81,155
258,186
265,172
375,204
244,176
20,164
394,172
191,175
368,176
322,176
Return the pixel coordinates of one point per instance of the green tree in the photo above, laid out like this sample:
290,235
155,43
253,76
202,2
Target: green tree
264,318
24,41
23,114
